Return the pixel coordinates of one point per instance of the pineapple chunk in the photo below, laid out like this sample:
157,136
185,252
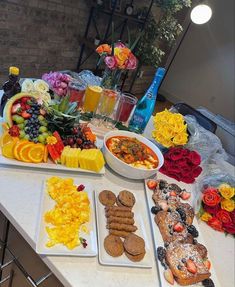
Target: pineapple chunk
69,157
91,159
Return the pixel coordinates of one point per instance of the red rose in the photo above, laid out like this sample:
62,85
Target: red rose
176,154
185,152
215,224
229,227
224,216
210,188
188,178
211,209
211,198
232,215
173,169
167,162
196,171
194,157
182,162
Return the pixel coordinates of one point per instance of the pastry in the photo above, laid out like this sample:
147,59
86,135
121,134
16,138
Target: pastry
107,197
134,244
113,245
186,264
126,198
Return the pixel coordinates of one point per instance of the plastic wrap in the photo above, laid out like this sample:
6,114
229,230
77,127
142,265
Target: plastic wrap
207,144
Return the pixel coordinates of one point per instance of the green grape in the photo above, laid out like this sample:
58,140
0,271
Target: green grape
41,118
22,134
42,129
44,123
21,126
26,137
41,139
18,119
45,134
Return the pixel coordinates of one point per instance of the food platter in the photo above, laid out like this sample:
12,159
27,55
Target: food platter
104,258
48,165
91,238
157,237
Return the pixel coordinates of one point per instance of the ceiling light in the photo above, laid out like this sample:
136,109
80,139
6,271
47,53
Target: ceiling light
201,14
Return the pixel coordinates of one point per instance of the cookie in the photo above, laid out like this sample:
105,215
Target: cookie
119,233
126,198
107,197
134,244
135,258
113,245
119,203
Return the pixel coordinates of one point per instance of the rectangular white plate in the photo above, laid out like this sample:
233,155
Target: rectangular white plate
43,165
157,238
105,259
48,203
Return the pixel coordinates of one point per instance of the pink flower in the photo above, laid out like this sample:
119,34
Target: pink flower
120,45
131,62
111,62
63,85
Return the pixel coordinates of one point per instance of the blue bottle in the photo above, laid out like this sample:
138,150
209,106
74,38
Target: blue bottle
145,106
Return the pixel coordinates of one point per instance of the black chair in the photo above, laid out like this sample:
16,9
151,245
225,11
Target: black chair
185,109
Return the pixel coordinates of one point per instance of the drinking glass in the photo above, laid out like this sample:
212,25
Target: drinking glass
125,108
105,113
92,98
76,92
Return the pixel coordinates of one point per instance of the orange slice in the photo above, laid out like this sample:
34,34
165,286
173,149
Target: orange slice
18,147
45,156
5,138
8,148
24,152
36,153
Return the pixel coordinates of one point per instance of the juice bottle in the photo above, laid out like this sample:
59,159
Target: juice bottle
92,98
10,87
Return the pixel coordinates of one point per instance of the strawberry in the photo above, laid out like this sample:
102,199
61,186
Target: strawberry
169,276
24,100
14,131
173,193
25,115
27,107
152,184
207,263
178,227
191,266
185,195
16,108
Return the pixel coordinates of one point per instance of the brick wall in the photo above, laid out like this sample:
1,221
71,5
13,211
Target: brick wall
40,35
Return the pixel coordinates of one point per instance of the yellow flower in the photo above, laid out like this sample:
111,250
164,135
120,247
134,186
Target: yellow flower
180,139
228,205
206,216
51,140
226,190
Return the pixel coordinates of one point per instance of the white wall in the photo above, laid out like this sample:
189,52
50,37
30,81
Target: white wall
202,73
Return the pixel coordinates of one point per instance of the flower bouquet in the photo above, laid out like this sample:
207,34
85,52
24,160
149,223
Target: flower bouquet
170,129
58,82
217,202
182,164
117,58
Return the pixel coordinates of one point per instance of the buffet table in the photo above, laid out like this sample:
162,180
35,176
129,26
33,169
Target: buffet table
20,195
19,202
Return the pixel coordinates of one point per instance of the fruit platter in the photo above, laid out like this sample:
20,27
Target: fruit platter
40,132
181,254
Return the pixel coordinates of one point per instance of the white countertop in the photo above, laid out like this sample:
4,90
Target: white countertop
20,203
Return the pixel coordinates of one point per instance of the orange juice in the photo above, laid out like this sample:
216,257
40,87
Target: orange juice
107,102
92,98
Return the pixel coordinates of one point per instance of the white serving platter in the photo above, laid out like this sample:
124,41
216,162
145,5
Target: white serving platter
47,203
139,209
48,165
157,238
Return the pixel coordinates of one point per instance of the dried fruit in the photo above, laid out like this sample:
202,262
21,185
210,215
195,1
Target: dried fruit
81,187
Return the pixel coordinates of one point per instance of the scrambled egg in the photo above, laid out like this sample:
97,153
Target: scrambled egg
70,213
